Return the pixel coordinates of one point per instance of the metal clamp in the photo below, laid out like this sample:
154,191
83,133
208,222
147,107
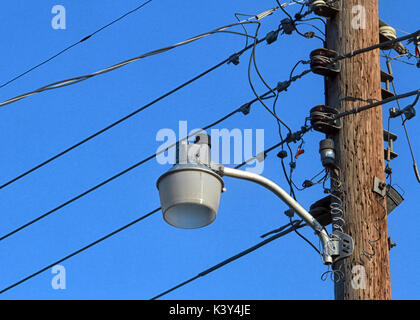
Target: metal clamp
340,246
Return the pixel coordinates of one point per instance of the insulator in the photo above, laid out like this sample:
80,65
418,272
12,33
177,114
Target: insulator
235,59
321,119
282,154
322,62
387,33
272,37
324,8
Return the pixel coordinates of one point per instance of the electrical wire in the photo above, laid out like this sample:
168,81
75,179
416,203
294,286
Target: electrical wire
289,180
299,16
74,80
145,160
315,27
286,84
243,27
296,225
404,126
376,46
103,183
253,60
148,105
129,225
375,104
75,44
80,250
314,18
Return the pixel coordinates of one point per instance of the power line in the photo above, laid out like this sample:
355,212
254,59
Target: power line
148,105
257,41
403,124
119,230
147,159
376,46
375,104
245,109
294,226
74,44
80,250
74,80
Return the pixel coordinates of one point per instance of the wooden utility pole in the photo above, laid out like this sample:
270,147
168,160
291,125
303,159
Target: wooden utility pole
360,151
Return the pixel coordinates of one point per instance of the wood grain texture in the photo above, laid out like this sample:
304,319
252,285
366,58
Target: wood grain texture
360,151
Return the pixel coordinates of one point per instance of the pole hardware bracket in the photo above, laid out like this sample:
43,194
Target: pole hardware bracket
340,246
323,62
379,186
321,116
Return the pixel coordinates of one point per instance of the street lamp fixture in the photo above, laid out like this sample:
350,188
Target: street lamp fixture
190,194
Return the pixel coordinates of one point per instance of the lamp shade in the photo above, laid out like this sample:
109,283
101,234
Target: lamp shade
190,195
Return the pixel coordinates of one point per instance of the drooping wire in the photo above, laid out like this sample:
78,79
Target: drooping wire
103,183
74,80
252,60
296,225
129,225
314,18
289,179
316,28
375,104
404,125
243,26
80,250
369,255
376,46
74,44
145,160
299,16
291,190
148,105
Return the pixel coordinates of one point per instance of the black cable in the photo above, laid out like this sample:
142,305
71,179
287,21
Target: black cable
294,227
243,26
74,80
125,118
253,60
80,250
375,104
240,109
117,231
315,27
314,18
75,44
416,172
293,21
289,180
376,46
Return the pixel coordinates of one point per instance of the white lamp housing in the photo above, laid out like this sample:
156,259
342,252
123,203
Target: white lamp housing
190,195
190,191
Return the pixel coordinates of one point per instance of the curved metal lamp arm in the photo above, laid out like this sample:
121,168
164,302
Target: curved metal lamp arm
286,198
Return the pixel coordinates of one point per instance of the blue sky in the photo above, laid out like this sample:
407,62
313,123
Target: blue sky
151,256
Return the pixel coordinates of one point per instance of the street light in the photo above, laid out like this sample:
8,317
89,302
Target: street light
190,192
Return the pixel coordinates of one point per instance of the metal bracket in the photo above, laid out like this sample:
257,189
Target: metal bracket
342,245
379,186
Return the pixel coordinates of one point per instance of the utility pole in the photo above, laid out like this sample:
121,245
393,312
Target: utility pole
360,151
